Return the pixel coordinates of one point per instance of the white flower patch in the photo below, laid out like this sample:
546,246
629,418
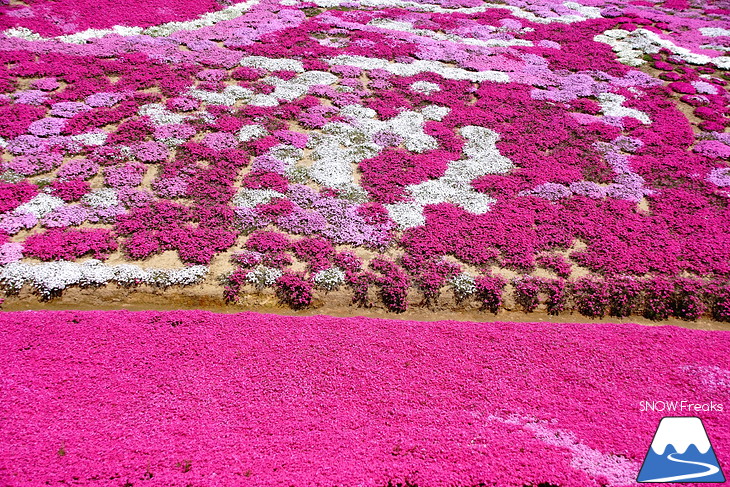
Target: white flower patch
40,205
407,124
611,106
341,146
95,273
262,100
425,87
84,36
419,66
160,115
483,153
333,160
263,276
230,95
630,48
464,285
287,153
329,279
3,143
91,138
129,274
249,132
172,142
101,198
298,86
272,64
406,215
715,47
250,198
205,20
284,89
440,190
454,186
22,33
435,112
585,10
714,32
53,277
617,470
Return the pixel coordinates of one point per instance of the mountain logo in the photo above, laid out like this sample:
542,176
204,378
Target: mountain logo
681,452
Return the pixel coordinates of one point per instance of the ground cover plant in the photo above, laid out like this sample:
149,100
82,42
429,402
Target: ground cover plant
196,398
399,153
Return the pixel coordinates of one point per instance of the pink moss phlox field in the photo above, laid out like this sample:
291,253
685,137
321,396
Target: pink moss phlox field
507,137
196,398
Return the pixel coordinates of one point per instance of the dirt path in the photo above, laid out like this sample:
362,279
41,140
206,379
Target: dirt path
112,297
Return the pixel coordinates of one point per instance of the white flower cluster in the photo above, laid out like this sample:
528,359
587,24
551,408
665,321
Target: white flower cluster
716,47
407,214
435,112
230,95
286,153
85,35
250,132
336,151
250,198
272,64
50,278
91,138
205,20
463,285
329,279
160,115
40,205
11,176
407,124
22,33
101,198
292,89
299,175
714,32
419,66
631,47
454,186
611,106
425,87
262,276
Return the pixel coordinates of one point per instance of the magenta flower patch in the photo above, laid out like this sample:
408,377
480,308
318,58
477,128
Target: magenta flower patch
189,397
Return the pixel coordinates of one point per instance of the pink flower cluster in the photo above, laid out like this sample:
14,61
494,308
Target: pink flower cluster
197,398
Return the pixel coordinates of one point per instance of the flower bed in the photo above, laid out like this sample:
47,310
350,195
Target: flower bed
197,398
535,142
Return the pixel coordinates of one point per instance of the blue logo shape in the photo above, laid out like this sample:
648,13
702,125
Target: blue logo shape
681,452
